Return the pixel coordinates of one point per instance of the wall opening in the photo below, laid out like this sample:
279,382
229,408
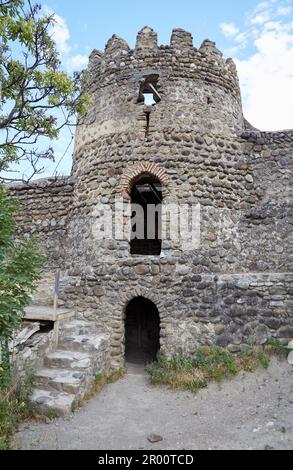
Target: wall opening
146,224
148,91
142,331
148,121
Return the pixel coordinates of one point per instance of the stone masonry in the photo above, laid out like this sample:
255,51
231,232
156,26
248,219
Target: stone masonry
237,287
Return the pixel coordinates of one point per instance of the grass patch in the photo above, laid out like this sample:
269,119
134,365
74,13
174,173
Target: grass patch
193,372
15,405
101,380
275,347
210,364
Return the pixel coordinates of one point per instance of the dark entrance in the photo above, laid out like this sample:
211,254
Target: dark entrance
142,331
146,226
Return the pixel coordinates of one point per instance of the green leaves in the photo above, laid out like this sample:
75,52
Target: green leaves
9,7
38,98
19,269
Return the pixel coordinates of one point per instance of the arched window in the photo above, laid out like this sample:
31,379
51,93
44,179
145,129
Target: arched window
146,227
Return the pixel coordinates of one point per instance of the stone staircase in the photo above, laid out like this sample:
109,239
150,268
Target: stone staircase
68,372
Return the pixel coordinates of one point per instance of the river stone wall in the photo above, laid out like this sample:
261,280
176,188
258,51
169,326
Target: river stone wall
236,287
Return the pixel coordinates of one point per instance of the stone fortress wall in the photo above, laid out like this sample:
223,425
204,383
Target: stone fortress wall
237,286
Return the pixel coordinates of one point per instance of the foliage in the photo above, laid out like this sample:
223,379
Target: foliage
275,346
19,269
101,380
193,372
251,358
33,85
208,364
15,405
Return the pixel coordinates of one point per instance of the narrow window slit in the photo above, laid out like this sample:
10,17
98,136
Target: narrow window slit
148,121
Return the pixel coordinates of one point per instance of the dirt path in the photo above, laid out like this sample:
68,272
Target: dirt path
253,411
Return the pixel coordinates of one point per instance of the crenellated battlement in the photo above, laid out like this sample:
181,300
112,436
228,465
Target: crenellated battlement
181,40
147,41
153,89
206,61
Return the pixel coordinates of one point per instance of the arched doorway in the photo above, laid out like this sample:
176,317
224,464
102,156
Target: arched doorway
142,331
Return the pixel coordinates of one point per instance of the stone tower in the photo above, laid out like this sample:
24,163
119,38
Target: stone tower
189,144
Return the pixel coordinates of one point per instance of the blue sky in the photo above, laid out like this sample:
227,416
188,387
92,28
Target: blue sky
91,22
257,34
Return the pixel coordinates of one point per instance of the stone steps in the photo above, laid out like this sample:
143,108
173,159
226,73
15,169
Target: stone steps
48,401
81,343
77,327
69,371
62,380
68,360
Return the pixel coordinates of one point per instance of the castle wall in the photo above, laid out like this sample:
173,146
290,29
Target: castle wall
267,227
44,208
237,286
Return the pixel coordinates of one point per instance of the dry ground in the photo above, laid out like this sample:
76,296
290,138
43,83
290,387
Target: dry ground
252,411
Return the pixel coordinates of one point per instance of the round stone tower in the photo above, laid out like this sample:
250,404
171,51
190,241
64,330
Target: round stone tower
197,91
164,122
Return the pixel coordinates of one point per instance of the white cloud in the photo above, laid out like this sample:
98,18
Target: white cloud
77,62
61,34
265,11
263,6
266,75
284,11
229,29
242,38
261,18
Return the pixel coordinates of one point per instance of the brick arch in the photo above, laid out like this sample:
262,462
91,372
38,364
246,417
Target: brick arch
120,312
146,294
152,169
